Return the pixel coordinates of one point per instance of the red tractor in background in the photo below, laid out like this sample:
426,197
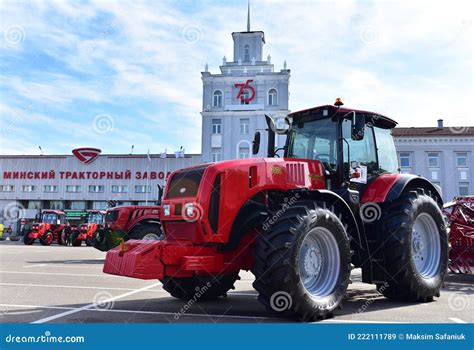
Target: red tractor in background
51,226
129,222
88,230
460,215
300,223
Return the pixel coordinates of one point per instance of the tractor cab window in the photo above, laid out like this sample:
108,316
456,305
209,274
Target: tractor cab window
95,219
388,161
315,139
49,218
362,151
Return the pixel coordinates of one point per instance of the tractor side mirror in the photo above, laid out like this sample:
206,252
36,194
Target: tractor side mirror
358,127
256,143
160,193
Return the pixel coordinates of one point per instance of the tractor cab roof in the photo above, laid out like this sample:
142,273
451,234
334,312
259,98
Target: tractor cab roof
52,211
325,111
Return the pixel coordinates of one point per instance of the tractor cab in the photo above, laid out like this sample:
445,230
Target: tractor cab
52,217
95,217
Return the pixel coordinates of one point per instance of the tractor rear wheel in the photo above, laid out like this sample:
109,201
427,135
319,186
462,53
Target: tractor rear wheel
200,288
416,252
74,241
302,263
47,238
148,232
89,242
27,240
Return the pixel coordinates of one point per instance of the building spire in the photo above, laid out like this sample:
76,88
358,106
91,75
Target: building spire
248,16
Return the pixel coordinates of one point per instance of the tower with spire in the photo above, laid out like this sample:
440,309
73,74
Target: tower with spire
236,99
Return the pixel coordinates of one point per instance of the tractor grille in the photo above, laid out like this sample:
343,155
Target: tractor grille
295,173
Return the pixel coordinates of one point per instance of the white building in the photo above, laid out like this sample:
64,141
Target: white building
444,155
236,99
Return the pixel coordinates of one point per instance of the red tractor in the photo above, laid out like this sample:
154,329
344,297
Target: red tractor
460,215
299,223
87,231
51,226
129,222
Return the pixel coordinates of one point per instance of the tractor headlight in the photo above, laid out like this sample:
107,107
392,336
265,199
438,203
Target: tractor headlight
166,210
189,209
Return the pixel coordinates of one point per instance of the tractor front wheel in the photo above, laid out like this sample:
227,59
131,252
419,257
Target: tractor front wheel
47,238
416,252
302,263
200,288
74,241
148,233
27,240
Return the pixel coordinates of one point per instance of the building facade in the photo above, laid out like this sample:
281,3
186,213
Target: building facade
66,182
236,99
443,155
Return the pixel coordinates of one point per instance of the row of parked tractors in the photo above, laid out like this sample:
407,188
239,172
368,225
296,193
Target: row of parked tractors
101,229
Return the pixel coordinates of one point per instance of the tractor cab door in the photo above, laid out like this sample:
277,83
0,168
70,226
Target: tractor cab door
360,161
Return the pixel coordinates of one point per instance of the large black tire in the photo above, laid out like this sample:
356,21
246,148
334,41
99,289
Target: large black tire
74,241
405,281
89,242
27,240
200,288
147,231
47,238
277,253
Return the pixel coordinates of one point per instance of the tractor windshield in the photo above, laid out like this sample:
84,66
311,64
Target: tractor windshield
314,139
96,218
49,218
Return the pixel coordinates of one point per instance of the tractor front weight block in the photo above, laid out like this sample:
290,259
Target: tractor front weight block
157,259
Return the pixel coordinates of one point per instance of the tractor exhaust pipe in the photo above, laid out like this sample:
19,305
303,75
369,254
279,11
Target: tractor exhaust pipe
271,137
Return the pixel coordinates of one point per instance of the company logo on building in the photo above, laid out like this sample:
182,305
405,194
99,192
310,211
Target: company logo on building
246,91
86,155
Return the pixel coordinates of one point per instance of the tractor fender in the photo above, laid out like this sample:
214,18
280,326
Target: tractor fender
144,222
389,187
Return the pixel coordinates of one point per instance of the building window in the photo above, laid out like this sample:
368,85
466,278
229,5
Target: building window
51,188
433,160
464,188
142,189
244,152
78,205
244,126
119,188
7,188
246,53
216,126
73,188
28,188
34,204
99,205
216,154
405,160
272,97
96,188
217,98
58,205
461,160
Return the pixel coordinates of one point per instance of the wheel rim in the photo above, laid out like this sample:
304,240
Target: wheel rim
319,262
425,245
152,237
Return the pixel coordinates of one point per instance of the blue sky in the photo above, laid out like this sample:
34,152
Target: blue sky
110,74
